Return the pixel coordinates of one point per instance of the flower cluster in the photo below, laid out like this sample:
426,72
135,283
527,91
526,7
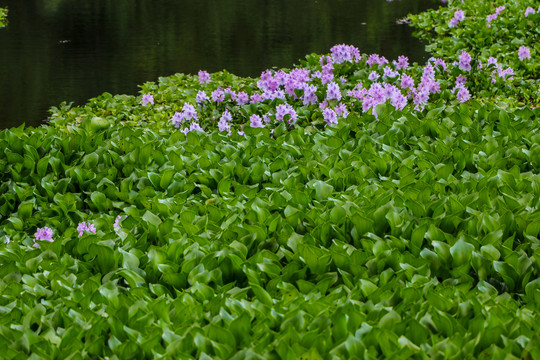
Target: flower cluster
84,227
465,61
147,99
459,16
529,11
326,90
524,53
492,17
204,77
43,234
345,53
116,224
46,233
188,113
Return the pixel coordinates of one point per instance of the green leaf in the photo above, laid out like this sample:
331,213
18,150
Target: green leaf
104,257
100,201
322,190
25,209
507,272
461,252
490,252
367,288
362,224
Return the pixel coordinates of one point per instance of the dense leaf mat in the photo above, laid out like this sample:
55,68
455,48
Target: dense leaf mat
401,237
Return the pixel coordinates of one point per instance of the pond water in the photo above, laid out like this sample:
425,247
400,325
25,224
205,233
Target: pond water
72,50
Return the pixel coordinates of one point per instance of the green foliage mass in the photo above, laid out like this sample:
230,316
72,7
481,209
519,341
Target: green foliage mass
483,38
390,237
413,234
3,17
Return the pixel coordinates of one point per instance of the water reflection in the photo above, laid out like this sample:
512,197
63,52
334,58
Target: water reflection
71,50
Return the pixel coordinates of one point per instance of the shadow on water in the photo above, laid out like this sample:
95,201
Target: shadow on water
72,50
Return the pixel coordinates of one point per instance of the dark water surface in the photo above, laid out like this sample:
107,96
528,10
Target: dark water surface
72,50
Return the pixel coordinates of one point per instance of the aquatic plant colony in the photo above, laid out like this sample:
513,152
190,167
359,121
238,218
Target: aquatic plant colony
350,207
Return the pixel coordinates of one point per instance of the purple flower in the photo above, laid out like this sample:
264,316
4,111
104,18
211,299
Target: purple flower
358,94
267,82
465,61
147,99
373,76
492,61
117,222
402,63
201,97
420,96
459,15
463,94
255,98
310,98
407,82
195,126
327,73
177,119
285,109
333,92
499,9
502,73
372,59
428,73
218,95
300,75
461,80
44,234
390,90
8,240
226,116
529,11
440,62
204,77
341,110
491,17
377,92
224,126
345,53
281,77
280,94
256,121
398,101
189,112
524,53
86,227
291,85
223,123
382,60
242,98
81,228
389,73
330,116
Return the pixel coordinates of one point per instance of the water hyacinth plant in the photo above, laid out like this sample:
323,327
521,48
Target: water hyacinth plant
351,206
